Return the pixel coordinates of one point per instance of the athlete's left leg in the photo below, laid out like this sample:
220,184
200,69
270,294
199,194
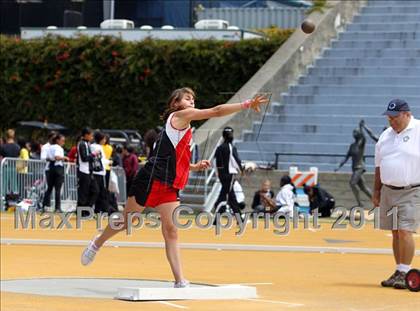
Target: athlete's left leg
170,234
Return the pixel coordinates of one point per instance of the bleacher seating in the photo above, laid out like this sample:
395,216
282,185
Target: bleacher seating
375,59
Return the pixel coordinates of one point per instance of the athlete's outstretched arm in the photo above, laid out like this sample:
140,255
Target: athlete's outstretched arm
191,114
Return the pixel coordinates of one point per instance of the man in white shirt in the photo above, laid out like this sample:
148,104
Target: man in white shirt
45,151
397,185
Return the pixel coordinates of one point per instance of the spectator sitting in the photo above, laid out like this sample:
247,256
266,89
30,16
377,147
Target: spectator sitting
285,199
319,199
258,205
10,149
130,164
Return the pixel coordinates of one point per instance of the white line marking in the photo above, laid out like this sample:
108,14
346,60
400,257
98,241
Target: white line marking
290,304
172,304
212,246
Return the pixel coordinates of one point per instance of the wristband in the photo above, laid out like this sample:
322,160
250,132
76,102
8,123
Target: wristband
246,104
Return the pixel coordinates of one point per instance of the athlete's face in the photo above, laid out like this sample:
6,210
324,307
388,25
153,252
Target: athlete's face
187,101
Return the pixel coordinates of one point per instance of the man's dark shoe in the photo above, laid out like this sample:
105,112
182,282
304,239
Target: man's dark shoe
400,281
391,280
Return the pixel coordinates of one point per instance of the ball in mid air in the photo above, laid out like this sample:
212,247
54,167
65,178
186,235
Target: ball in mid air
307,26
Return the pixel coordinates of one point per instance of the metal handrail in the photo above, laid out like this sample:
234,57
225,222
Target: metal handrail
210,175
277,154
29,179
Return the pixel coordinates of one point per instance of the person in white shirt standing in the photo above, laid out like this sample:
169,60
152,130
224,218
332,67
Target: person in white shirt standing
44,153
397,185
56,158
101,203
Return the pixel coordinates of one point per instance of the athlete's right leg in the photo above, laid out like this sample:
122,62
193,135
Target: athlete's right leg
109,232
90,251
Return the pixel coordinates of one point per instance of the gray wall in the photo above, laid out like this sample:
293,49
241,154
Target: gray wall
252,18
337,184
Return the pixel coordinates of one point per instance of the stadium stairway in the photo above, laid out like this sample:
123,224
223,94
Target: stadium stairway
376,58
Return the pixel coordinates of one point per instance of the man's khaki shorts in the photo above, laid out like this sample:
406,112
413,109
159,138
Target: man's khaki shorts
407,203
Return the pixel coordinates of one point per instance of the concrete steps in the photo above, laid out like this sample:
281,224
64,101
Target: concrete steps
387,90
375,59
335,109
383,18
390,52
371,61
311,127
412,71
411,9
299,147
359,80
375,44
410,26
372,99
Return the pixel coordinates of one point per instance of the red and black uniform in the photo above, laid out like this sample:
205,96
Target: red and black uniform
167,169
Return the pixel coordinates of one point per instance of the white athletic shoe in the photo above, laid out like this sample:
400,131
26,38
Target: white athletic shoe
89,253
182,284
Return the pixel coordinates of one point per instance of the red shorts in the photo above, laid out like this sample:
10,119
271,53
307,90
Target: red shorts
161,193
152,195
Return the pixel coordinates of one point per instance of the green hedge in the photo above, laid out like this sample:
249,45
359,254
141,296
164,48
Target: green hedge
105,82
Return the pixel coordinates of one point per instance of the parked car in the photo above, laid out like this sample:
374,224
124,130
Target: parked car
128,137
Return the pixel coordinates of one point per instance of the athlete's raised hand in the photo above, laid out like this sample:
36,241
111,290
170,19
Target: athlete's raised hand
255,103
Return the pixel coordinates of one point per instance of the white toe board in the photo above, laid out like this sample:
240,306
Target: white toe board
187,293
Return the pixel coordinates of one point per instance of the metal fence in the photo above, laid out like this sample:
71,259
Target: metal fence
252,18
26,179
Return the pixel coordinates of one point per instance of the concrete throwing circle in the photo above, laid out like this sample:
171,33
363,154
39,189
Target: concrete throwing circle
80,287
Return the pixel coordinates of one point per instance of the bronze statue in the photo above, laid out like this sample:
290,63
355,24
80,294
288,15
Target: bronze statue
356,153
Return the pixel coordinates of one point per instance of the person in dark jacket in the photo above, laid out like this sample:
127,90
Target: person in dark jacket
228,165
319,199
87,191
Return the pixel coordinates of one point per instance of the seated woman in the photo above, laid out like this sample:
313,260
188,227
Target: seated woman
258,205
285,199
